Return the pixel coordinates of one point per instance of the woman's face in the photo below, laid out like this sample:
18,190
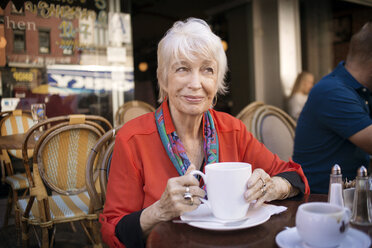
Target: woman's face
307,84
191,86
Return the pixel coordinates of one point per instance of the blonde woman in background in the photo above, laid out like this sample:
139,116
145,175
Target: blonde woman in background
301,88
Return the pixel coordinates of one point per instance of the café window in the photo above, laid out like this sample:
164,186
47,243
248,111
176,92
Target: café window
19,41
65,46
44,41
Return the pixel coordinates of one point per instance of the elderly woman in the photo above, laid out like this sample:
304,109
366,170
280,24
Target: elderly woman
154,153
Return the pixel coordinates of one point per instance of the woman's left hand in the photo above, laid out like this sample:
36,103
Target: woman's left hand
263,188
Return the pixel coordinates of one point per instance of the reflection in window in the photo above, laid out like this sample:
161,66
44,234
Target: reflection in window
19,41
68,47
44,41
15,11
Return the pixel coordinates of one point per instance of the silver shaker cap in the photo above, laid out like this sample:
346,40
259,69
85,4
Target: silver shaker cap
362,172
336,170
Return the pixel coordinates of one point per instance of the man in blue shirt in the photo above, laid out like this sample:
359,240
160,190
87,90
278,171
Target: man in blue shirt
335,126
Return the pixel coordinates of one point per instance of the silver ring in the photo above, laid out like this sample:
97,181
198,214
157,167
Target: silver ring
188,196
191,201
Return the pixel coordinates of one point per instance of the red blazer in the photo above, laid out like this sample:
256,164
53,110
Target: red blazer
140,165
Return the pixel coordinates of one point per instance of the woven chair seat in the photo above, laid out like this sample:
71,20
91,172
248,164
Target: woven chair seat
17,181
63,208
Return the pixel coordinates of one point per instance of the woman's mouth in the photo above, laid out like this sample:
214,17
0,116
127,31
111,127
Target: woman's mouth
194,99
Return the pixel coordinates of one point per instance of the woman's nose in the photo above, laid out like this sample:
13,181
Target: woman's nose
195,80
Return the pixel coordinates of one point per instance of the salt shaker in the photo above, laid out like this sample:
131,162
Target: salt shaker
335,186
362,209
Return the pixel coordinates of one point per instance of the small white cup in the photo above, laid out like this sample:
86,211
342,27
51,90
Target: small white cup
322,224
226,183
349,198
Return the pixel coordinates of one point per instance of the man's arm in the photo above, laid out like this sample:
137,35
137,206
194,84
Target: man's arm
363,139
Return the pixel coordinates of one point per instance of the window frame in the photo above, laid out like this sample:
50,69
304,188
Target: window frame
24,41
44,30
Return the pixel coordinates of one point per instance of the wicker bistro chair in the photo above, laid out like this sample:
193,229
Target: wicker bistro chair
131,110
14,122
275,129
102,151
59,162
246,114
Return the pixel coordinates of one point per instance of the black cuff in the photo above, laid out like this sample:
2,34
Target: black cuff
129,231
294,179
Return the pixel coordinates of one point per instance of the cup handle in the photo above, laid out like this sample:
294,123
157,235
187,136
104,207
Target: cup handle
346,220
347,215
196,172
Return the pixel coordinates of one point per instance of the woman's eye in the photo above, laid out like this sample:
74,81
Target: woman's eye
179,69
209,70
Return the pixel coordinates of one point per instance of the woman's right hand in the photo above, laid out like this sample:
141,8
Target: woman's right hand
172,203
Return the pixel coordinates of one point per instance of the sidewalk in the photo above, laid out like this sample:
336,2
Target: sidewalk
65,237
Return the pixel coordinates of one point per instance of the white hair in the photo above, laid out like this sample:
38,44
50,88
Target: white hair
190,39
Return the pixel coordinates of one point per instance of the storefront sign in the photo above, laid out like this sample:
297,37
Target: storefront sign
119,28
23,75
78,79
21,25
47,10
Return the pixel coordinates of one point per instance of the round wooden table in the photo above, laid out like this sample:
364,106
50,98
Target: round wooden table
169,234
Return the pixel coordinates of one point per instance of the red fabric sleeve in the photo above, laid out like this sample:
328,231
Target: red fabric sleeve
124,185
108,233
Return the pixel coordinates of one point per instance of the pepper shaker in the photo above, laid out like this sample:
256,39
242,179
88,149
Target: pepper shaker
362,209
335,186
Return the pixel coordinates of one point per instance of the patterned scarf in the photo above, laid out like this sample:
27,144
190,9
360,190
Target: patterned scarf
175,149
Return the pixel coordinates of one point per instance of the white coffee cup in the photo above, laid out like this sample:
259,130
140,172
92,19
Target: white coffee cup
322,224
226,183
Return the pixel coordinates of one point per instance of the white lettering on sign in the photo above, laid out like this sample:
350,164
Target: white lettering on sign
21,25
62,81
88,83
79,79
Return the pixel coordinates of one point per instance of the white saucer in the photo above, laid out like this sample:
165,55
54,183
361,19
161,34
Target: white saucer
290,238
254,217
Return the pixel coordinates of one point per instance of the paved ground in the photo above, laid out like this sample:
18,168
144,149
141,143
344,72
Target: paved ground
65,237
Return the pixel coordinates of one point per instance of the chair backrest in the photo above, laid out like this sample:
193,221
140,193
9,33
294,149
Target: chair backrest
101,152
275,129
16,122
246,114
131,110
62,151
